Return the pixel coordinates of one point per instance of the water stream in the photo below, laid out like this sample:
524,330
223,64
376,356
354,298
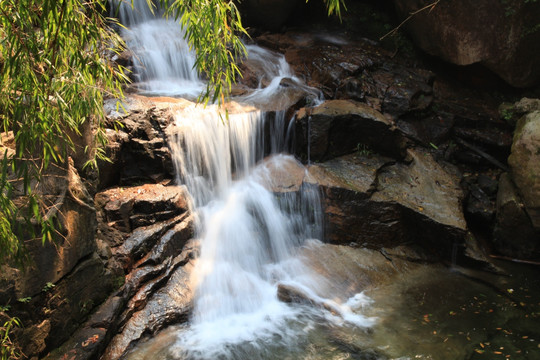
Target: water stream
253,241
250,239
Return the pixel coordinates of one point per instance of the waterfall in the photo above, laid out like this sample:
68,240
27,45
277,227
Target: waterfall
250,237
162,60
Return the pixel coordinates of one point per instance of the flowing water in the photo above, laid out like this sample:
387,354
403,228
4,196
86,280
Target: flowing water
253,241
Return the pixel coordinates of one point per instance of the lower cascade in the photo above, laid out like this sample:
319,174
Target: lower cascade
250,242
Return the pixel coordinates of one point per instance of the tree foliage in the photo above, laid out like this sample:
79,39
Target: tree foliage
54,74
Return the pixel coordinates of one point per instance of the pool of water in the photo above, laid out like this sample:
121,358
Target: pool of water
427,312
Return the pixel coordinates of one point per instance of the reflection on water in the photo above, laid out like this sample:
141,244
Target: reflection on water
463,314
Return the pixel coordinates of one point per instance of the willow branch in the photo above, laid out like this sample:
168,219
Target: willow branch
394,30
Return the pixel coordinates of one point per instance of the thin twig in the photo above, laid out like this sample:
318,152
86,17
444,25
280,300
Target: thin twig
394,30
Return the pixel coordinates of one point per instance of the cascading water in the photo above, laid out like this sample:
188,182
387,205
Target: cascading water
163,63
250,238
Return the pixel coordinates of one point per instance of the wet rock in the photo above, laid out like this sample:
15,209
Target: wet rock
144,156
514,234
142,240
338,127
345,271
294,294
172,242
170,304
282,174
525,163
465,33
141,275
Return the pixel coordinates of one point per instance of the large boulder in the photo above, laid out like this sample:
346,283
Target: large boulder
374,201
502,35
525,163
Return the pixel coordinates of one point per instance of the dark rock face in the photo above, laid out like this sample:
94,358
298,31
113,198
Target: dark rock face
503,36
392,203
339,127
514,234
65,276
267,14
165,301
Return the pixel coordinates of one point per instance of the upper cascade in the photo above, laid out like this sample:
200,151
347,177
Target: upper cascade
163,62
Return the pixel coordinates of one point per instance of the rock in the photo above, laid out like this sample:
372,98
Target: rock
479,206
373,201
77,295
428,190
65,195
339,127
344,271
525,163
144,155
465,33
172,242
142,240
109,172
170,304
89,341
514,234
33,338
130,208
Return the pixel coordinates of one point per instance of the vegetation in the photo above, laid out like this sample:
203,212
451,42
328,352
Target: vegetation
54,75
8,349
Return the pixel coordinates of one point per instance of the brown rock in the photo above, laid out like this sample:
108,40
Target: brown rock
503,36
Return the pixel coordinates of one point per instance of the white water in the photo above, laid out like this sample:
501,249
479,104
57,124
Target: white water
163,63
250,239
